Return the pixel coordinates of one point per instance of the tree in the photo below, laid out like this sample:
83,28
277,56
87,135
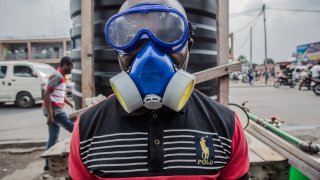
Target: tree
242,59
270,61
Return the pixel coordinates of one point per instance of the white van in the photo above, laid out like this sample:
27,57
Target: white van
23,82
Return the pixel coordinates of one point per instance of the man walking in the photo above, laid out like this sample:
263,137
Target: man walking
53,104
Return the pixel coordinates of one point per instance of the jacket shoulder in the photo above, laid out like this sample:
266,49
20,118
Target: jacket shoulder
219,115
91,117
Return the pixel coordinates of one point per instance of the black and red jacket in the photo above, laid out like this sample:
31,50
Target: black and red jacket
202,141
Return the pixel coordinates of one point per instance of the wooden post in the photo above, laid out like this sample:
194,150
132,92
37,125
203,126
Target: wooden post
87,59
64,47
223,48
29,50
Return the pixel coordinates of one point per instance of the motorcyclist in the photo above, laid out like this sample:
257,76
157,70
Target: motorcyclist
307,76
315,70
287,73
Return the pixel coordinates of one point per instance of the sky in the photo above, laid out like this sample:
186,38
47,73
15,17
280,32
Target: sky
285,30
34,18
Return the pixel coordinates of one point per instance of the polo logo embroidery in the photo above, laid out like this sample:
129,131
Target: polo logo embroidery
204,149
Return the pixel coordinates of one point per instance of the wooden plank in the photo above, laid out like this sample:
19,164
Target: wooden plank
223,48
216,72
264,151
88,87
313,160
59,149
254,158
306,163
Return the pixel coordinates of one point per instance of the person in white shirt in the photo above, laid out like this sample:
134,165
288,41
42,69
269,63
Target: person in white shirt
315,70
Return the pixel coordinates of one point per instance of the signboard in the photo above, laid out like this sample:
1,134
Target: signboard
308,53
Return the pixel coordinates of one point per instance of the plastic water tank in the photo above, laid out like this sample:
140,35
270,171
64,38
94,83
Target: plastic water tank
201,13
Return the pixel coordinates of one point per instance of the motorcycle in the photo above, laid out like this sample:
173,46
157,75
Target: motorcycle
305,82
316,86
282,80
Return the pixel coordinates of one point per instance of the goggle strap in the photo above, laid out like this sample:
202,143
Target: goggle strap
191,28
183,60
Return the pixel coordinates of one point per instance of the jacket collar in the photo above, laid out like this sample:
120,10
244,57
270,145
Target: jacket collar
144,111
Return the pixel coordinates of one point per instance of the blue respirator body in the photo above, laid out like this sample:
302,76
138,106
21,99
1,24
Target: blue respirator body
152,81
152,70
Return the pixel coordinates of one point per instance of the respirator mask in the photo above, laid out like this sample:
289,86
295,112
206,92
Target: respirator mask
152,79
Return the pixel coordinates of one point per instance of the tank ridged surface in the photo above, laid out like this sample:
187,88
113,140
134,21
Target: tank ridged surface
201,13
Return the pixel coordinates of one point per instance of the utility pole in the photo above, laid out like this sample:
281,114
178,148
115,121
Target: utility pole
265,40
231,53
250,48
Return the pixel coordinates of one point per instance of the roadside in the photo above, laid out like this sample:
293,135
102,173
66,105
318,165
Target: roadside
15,161
23,136
259,83
23,163
299,109
25,125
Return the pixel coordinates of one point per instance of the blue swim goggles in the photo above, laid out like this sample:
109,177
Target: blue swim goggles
165,26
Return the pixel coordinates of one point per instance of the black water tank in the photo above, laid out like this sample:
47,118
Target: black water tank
201,13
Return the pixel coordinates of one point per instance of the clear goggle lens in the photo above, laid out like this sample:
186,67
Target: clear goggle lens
167,27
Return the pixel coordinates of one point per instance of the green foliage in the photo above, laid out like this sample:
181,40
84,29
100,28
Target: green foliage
270,61
242,59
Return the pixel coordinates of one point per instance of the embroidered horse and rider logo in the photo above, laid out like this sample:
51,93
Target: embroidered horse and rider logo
204,149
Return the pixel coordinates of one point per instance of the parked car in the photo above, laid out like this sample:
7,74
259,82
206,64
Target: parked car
23,82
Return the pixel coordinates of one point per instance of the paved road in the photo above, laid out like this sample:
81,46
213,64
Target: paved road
300,110
24,124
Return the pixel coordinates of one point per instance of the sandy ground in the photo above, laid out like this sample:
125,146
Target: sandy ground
23,164
17,165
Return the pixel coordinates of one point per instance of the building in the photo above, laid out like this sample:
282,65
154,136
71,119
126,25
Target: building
34,30
35,50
